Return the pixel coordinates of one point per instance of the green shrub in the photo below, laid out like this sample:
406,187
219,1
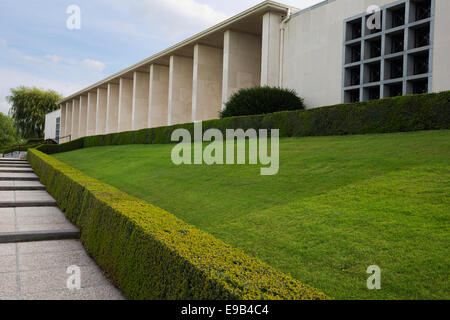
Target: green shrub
25,147
400,114
261,100
151,254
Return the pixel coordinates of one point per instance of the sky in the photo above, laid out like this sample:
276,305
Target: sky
37,49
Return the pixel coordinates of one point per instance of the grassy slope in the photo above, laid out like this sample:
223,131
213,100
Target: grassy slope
338,205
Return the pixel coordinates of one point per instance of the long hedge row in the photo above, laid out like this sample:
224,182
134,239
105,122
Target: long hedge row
400,114
151,254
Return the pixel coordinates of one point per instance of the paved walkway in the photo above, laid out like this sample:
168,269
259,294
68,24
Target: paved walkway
38,244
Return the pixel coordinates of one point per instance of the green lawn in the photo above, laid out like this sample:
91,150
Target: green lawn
337,206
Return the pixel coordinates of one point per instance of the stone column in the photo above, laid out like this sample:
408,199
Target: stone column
112,109
207,86
102,100
92,113
75,118
141,88
63,123
69,107
270,57
159,96
125,105
83,116
180,90
241,62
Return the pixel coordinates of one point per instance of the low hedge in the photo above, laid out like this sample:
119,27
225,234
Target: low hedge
399,114
151,254
25,147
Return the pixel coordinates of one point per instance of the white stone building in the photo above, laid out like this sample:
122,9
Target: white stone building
327,53
52,129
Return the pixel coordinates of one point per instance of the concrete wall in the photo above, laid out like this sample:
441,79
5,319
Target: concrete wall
158,96
125,105
241,62
207,86
112,108
50,124
180,90
314,49
270,56
441,60
140,100
75,119
83,116
102,101
92,113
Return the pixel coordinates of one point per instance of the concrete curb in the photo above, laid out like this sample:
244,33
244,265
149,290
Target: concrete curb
14,237
29,204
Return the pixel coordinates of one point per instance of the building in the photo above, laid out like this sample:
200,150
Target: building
53,126
330,53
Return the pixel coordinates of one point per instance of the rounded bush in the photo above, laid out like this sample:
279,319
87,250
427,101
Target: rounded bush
262,100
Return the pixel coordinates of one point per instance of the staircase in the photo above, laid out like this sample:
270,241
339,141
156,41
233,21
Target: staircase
38,244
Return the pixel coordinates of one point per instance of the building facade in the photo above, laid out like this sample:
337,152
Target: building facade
336,51
52,129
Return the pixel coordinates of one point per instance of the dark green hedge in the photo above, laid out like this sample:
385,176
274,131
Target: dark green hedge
151,254
400,114
261,100
25,147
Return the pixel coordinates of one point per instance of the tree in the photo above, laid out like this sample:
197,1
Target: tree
29,107
8,133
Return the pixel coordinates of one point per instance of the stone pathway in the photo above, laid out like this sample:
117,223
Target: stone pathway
38,244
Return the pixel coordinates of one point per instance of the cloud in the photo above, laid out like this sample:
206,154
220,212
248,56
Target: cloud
57,59
168,19
94,65
89,64
12,78
3,43
30,59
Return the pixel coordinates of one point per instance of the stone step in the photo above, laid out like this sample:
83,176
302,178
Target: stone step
15,199
16,170
15,165
14,237
21,186
19,179
27,204
21,176
6,160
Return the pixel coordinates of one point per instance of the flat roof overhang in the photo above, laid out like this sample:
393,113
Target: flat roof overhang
249,21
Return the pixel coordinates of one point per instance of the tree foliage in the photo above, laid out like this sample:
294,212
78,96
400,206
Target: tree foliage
29,107
8,133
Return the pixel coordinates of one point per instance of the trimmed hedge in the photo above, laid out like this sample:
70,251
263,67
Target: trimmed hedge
151,254
261,100
25,147
400,114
